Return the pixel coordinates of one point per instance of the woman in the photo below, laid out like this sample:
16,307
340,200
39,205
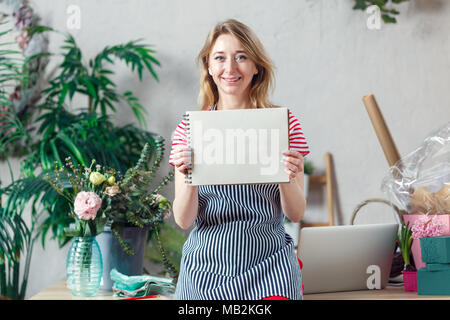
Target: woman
248,255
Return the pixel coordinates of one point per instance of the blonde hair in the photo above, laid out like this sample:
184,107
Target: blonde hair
262,82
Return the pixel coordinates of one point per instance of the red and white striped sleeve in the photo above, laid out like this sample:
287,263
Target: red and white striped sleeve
178,139
297,141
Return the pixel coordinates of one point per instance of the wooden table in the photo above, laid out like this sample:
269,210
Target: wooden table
388,293
59,291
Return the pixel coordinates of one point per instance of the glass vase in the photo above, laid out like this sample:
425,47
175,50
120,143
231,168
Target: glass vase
84,267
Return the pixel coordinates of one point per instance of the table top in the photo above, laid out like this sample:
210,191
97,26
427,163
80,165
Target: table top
388,293
59,291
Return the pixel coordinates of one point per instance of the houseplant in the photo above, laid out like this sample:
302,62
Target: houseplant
409,272
133,208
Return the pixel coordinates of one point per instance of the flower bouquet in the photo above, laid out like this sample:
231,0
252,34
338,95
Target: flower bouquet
86,190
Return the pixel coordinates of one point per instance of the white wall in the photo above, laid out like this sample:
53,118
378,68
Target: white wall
326,59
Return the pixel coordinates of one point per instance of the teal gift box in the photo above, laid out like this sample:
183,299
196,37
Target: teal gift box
434,279
435,249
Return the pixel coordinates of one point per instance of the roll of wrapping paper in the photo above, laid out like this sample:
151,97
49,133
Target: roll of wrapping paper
383,134
381,129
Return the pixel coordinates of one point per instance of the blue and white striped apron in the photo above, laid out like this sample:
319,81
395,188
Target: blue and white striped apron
238,248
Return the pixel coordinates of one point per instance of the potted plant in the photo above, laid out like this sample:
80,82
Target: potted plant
134,209
409,272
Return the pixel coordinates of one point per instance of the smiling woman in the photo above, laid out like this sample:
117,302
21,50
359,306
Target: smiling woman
238,248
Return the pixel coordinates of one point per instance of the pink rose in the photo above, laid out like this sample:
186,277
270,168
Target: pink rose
86,205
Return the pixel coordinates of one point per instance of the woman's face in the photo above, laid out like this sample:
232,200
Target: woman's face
230,67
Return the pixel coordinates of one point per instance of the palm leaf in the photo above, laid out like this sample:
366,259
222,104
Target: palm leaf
15,240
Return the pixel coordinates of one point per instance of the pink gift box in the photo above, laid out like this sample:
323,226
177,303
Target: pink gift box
415,248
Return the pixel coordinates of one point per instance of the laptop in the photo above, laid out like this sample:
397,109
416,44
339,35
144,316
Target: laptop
346,258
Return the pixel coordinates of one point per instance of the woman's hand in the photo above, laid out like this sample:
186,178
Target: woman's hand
182,159
185,204
293,202
294,163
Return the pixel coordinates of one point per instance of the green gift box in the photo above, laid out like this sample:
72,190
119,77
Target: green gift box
433,282
437,266
435,249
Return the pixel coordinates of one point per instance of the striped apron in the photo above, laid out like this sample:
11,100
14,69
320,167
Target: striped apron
238,248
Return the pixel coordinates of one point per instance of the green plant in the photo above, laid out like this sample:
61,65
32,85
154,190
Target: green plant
308,168
84,134
15,244
173,241
11,75
387,14
405,240
30,47
94,79
16,238
136,204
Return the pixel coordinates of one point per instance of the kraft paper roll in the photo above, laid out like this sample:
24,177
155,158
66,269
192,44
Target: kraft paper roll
381,129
